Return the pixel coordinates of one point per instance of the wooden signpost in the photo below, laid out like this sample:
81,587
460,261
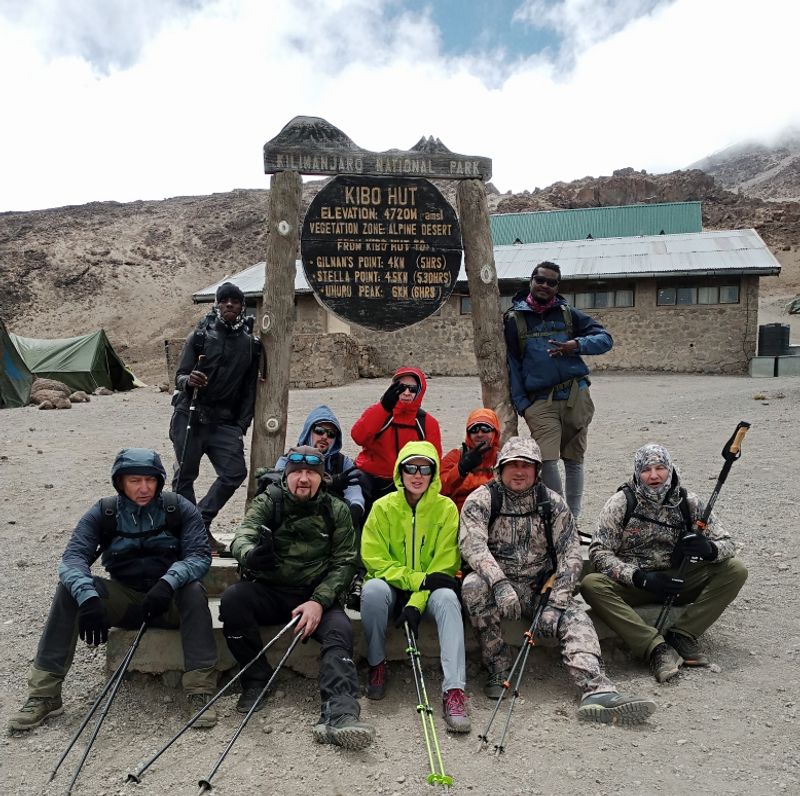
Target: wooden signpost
381,248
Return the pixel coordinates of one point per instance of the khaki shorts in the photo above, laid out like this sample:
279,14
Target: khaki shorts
561,432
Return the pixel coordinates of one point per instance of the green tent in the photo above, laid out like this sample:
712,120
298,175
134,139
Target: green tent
82,363
15,378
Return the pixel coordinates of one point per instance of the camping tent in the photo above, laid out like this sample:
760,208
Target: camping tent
15,378
82,363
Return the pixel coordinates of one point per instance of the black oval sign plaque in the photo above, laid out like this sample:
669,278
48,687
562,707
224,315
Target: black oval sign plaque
381,252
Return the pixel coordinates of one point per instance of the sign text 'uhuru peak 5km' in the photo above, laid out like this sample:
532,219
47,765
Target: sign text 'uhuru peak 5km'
381,252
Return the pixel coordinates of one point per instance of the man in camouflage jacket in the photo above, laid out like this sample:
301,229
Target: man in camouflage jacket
509,558
637,563
298,561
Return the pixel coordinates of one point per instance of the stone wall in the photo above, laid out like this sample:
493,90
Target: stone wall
323,360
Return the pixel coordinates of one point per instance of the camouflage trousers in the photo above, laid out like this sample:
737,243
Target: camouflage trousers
580,648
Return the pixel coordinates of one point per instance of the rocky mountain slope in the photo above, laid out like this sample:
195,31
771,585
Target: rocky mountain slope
132,268
756,169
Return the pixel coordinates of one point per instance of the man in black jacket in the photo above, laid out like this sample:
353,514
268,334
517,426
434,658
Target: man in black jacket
225,380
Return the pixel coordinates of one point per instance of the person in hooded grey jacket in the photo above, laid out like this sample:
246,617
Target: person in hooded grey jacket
155,567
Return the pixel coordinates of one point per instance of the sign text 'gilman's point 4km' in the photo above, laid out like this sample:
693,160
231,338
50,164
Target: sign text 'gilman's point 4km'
381,246
381,252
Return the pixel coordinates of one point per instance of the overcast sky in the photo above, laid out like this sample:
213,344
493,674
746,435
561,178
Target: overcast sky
146,99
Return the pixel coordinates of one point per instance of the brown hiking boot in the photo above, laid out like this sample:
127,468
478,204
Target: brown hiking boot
664,662
34,712
209,717
687,647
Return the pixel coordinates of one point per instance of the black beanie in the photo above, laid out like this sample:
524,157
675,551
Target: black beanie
229,289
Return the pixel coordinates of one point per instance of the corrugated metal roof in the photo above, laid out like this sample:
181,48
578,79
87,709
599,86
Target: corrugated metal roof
735,252
669,218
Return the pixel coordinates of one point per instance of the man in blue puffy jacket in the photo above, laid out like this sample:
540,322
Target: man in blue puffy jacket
155,549
545,339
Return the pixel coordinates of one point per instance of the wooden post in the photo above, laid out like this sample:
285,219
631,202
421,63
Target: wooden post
276,323
487,322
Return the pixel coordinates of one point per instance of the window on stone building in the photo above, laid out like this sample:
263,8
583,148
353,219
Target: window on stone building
600,299
684,295
466,305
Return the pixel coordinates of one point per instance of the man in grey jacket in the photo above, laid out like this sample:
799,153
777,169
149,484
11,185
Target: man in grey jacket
155,550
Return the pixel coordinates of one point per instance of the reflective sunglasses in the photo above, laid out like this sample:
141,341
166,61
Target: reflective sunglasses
327,432
413,469
484,427
543,280
308,458
412,388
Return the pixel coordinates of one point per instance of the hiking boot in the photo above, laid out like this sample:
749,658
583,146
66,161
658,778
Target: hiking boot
196,703
250,696
345,731
664,662
354,597
612,708
688,648
34,712
454,710
217,547
376,681
494,684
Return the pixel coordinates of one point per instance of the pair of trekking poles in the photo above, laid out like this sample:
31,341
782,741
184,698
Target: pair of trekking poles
112,686
731,451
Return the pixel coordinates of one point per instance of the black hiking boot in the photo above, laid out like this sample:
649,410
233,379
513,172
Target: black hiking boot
250,696
664,662
345,731
494,687
687,647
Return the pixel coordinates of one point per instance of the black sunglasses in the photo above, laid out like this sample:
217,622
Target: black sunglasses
484,427
413,469
543,280
329,433
308,458
412,388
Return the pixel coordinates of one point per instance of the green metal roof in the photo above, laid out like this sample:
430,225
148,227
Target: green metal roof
598,222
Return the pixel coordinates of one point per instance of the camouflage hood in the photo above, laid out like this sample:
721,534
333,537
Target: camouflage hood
666,494
518,448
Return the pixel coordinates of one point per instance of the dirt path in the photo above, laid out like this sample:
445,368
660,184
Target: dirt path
732,731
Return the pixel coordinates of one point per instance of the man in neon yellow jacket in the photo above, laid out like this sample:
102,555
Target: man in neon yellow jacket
410,550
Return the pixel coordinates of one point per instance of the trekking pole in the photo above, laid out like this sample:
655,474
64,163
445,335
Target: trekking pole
135,776
426,714
117,681
730,452
192,407
205,784
87,718
519,669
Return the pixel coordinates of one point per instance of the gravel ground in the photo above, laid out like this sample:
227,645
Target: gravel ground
732,729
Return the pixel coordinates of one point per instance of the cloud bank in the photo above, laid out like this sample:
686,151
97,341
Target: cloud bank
144,100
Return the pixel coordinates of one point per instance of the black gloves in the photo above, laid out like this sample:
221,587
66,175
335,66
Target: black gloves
390,398
357,513
348,478
694,546
412,616
471,458
263,555
438,580
662,584
157,600
93,622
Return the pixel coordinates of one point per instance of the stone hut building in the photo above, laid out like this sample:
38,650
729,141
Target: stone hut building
680,302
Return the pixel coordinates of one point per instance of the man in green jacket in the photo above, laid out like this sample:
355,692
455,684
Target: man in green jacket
410,551
297,549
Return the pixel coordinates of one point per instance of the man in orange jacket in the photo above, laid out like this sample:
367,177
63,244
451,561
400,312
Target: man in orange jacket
468,467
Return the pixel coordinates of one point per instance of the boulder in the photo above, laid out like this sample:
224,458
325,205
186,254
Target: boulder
79,397
47,395
103,391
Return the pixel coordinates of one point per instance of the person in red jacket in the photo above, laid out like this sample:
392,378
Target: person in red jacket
468,467
386,426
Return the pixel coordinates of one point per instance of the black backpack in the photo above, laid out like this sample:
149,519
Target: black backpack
108,521
630,509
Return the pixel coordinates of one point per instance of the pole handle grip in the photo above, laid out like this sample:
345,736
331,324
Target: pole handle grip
736,442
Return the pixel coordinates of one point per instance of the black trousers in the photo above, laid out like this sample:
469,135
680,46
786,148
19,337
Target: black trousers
248,604
224,446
